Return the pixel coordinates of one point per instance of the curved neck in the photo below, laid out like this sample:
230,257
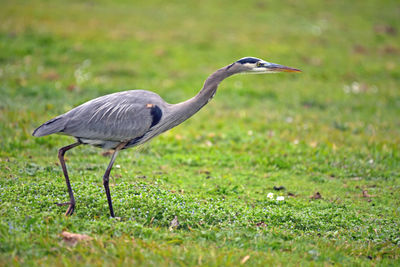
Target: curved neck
184,110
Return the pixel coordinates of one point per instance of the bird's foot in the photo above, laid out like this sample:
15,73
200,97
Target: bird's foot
70,209
63,204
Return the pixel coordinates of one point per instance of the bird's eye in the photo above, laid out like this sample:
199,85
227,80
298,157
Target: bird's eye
258,64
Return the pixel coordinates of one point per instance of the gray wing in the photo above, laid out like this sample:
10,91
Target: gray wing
116,117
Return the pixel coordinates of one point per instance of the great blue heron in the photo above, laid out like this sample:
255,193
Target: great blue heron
130,118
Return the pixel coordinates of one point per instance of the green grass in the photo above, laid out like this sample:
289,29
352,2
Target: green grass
333,129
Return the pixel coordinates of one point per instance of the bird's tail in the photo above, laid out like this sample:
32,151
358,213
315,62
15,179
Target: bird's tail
52,126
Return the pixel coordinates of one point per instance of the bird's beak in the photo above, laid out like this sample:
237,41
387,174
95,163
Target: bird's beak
280,68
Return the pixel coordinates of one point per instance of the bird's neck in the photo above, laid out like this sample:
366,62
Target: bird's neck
186,109
209,88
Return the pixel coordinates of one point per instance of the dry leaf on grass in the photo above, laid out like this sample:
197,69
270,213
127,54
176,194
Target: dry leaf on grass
261,224
366,195
317,195
245,258
107,153
174,224
51,75
72,239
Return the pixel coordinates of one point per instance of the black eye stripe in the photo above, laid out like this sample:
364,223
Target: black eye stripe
248,60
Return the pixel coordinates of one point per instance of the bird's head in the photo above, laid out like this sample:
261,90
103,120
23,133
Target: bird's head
258,66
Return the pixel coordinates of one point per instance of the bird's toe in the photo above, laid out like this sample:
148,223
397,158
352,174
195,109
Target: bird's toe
71,207
63,204
70,210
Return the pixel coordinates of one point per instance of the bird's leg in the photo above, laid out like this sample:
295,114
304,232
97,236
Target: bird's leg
106,176
71,202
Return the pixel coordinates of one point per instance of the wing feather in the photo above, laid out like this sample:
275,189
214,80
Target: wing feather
116,117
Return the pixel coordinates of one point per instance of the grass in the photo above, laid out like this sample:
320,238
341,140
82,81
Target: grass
334,129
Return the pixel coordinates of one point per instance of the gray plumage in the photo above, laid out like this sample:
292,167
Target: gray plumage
109,120
126,119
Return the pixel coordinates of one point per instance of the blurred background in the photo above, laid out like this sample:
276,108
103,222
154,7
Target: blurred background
55,55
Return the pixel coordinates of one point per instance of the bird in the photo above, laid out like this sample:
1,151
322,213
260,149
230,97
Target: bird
127,119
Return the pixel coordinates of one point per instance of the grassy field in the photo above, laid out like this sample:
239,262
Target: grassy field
334,129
